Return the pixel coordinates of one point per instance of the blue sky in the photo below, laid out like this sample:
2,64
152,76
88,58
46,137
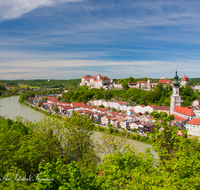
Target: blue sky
65,39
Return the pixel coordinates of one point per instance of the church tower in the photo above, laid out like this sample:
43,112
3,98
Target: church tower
175,98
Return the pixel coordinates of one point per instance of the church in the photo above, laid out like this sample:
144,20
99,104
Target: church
182,114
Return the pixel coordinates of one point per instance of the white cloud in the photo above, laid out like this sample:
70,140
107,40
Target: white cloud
15,8
69,69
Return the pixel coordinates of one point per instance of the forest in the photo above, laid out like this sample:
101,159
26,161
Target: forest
56,155
44,83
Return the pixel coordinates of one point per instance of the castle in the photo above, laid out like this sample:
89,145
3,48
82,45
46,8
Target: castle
185,81
97,81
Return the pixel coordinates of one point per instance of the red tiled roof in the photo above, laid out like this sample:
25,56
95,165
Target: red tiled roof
78,104
143,106
162,108
139,82
104,77
113,118
131,110
153,106
185,78
184,111
108,117
194,121
95,80
178,118
164,81
92,77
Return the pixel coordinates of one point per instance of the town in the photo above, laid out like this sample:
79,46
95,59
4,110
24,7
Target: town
120,114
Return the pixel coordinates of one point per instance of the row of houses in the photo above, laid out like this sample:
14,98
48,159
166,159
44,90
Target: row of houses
133,117
101,115
129,109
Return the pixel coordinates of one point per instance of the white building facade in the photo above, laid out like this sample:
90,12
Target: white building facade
175,98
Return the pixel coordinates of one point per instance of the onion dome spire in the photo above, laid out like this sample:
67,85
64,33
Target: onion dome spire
176,82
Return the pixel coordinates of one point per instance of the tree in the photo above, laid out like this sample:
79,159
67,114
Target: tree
110,127
125,84
44,98
55,109
79,145
155,114
109,144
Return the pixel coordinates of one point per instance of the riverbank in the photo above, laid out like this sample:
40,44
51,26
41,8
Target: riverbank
7,96
102,129
128,135
41,111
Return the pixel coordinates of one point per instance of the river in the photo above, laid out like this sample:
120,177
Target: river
10,108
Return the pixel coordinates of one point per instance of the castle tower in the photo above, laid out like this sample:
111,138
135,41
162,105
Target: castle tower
175,98
185,80
98,77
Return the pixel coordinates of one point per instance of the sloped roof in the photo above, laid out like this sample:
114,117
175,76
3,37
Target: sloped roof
162,108
178,118
194,121
165,81
140,82
153,106
185,78
78,104
184,111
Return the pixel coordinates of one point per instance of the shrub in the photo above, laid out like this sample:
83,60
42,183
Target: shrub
101,128
116,131
138,137
133,137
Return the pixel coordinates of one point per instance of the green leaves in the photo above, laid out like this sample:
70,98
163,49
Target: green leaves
54,154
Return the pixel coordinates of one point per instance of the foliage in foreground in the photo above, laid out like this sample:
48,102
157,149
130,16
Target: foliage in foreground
61,155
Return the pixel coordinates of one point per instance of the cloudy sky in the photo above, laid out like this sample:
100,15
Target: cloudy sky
66,39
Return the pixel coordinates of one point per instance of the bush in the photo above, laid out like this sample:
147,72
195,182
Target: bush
133,137
116,131
110,126
145,138
101,128
138,137
123,133
135,130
